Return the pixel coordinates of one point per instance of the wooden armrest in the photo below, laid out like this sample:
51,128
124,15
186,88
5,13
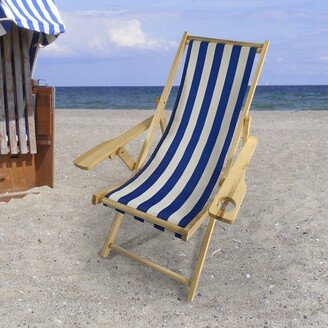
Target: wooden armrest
110,148
233,189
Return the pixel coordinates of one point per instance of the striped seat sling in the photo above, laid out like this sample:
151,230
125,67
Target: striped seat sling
177,181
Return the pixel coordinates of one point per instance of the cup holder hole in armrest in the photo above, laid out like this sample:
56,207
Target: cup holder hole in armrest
226,204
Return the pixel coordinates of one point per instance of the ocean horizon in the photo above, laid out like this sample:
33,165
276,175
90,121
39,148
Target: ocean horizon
267,97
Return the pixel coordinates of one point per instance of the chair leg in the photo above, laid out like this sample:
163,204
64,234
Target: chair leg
201,259
112,234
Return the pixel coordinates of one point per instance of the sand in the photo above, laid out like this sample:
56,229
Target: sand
269,269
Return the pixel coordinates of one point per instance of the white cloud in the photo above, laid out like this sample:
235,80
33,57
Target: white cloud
129,34
101,34
323,59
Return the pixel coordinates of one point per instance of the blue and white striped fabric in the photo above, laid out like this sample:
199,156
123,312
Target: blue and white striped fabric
177,181
40,16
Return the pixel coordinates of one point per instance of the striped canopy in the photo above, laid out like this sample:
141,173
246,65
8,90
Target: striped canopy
40,17
177,181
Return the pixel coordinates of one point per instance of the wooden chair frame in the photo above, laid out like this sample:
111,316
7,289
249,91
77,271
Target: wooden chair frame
232,187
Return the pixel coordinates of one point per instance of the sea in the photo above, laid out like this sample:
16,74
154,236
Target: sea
286,97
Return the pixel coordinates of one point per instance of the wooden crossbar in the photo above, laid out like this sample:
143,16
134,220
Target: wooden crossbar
258,46
17,110
145,216
190,283
176,276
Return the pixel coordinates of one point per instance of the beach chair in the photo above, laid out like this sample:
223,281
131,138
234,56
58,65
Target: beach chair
26,108
174,188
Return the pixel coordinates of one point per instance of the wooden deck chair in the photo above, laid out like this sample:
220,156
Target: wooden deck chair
173,189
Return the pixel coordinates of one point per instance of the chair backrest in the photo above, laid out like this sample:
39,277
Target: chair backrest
17,121
190,156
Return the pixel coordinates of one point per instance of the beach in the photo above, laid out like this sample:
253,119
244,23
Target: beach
268,269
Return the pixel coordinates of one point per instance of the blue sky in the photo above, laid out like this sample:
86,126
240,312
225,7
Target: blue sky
130,42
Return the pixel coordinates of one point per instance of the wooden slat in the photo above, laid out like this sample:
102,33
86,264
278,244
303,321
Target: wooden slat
258,46
112,234
20,104
176,276
44,160
126,158
163,123
3,130
146,216
44,112
201,260
97,197
255,80
10,103
28,92
193,225
247,128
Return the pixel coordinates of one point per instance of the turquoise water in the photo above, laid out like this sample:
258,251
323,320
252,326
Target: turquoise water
301,97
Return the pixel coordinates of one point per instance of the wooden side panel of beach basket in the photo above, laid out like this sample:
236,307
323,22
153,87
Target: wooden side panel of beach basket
26,119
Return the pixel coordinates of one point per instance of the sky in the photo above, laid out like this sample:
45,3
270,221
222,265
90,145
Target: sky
133,43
